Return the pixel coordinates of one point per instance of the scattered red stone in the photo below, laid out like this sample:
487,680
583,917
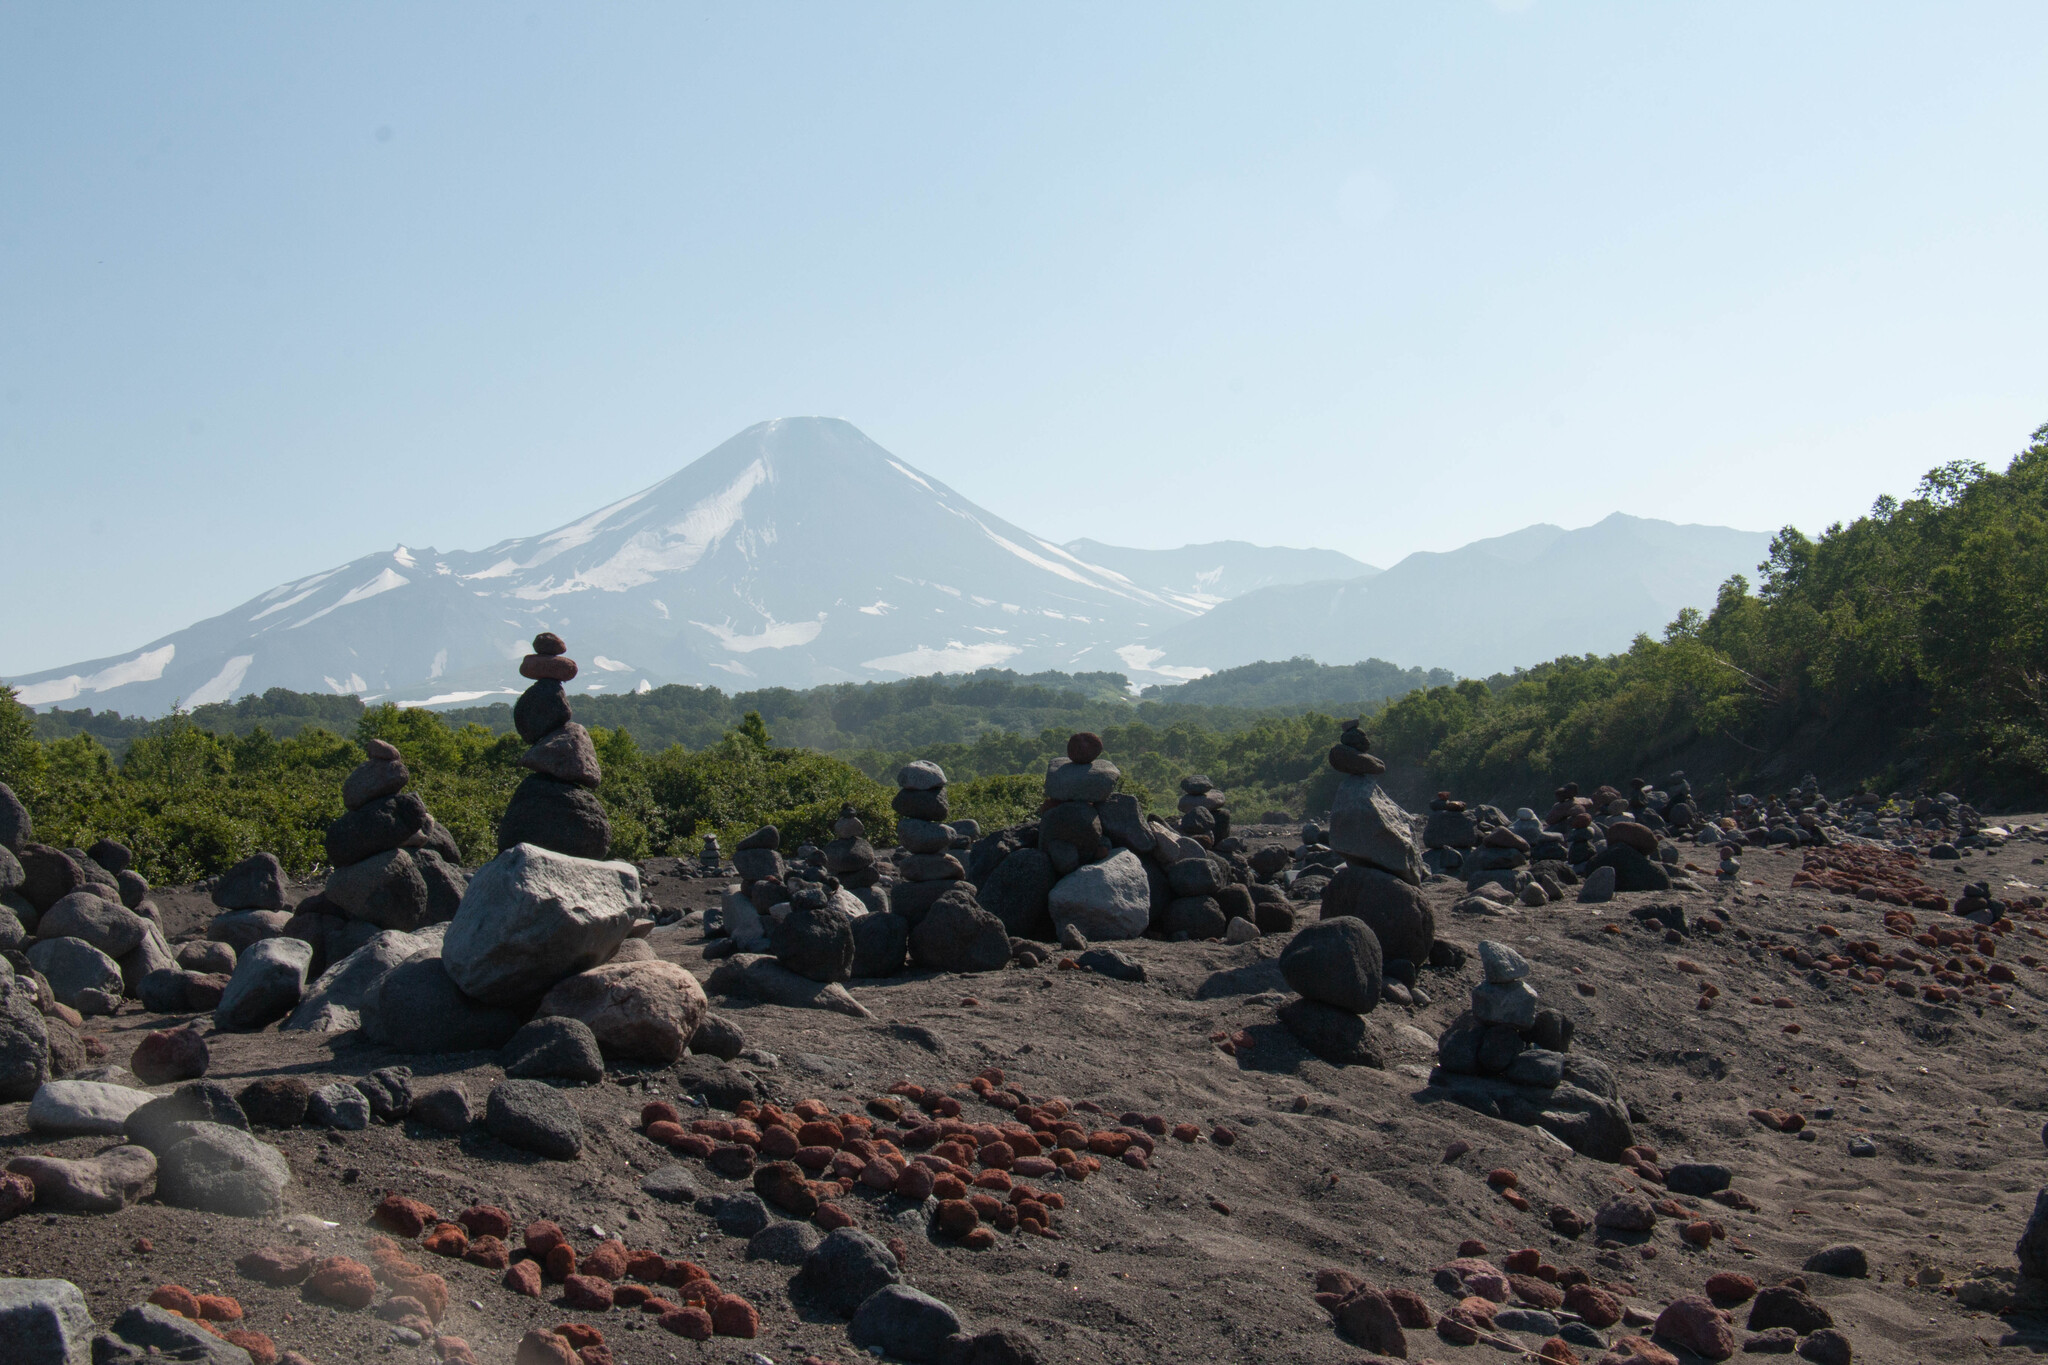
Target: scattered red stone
219,1308
1728,1288
1599,1308
588,1292
262,1350
541,1347
580,1334
543,1237
447,1239
560,1263
404,1216
523,1277
1501,1178
488,1252
692,1324
733,1316
343,1281
1471,1246
176,1298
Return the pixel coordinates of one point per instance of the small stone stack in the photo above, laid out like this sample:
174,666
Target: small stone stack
742,914
556,807
1449,831
394,866
1204,814
929,870
850,857
1368,826
1522,1051
1336,966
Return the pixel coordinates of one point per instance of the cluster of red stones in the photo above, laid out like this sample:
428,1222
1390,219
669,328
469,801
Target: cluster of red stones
680,1295
1884,875
1948,962
914,1143
416,1297
218,1314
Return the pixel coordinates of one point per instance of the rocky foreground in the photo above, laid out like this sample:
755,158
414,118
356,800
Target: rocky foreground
1876,1154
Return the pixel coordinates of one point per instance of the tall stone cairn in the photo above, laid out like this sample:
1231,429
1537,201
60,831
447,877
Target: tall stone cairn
556,807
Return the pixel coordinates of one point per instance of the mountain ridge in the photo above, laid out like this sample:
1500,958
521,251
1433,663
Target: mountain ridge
799,553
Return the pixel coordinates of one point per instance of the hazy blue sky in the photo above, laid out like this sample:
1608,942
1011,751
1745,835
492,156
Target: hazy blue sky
280,285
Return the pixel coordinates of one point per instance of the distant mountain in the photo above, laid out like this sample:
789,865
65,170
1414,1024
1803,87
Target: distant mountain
800,553
1203,575
1488,607
797,553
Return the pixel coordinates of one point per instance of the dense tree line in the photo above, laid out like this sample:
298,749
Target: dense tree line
1911,642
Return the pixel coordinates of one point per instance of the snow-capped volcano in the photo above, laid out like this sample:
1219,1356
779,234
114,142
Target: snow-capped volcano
799,552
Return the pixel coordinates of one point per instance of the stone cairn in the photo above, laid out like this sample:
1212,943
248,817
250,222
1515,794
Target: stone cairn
849,856
1203,812
555,807
395,866
1509,1057
927,866
1376,930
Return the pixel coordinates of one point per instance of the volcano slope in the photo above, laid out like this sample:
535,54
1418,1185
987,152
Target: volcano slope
1212,1252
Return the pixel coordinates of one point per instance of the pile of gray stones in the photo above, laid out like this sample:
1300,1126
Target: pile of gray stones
540,956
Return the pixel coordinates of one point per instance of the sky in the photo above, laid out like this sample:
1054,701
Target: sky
283,285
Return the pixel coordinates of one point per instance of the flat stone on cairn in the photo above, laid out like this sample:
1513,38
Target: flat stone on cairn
554,808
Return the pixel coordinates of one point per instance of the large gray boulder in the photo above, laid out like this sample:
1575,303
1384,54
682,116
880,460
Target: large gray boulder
814,940
44,1322
1369,826
16,829
77,1108
153,954
844,1268
417,1007
240,928
268,981
74,967
107,925
386,889
531,917
24,1043
1107,900
1091,782
334,1002
224,1170
561,816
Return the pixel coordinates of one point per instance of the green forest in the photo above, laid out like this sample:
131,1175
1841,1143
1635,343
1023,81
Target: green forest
1908,649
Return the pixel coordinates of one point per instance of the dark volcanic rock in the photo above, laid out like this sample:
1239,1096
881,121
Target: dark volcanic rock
957,935
556,1046
1337,1036
541,709
815,942
530,1115
383,824
1397,913
880,942
556,815
1336,961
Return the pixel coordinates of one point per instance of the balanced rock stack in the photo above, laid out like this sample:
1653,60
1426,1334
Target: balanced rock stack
1450,830
556,806
395,867
1336,966
850,857
1509,1057
1380,883
929,870
1204,816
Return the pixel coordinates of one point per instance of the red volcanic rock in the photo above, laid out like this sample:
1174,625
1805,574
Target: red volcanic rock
485,1220
341,1280
1698,1326
523,1277
692,1324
